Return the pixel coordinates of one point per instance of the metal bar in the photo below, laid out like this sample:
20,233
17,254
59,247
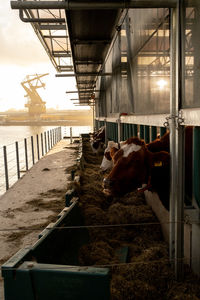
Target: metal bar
54,137
38,150
60,133
51,138
39,20
42,144
53,27
45,141
84,74
55,36
88,62
176,150
26,153
92,82
48,140
32,148
17,159
76,5
70,135
90,42
6,167
82,92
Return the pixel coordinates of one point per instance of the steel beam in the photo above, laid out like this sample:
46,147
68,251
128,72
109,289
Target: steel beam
80,92
84,74
90,42
94,5
86,62
52,27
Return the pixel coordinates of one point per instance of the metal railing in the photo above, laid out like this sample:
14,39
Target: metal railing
17,158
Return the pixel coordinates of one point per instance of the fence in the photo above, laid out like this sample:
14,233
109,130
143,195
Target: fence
17,158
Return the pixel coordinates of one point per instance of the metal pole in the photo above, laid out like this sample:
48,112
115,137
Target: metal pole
45,141
51,138
119,129
42,144
70,135
38,150
32,147
176,149
48,140
76,5
56,134
6,167
17,159
26,153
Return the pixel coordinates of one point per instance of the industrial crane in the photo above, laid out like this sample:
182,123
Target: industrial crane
35,105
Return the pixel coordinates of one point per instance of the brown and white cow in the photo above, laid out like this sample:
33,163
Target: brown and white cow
158,144
133,165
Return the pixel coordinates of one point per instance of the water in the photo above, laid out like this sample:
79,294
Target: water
11,134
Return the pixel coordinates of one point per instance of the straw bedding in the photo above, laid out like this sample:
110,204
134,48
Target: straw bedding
146,273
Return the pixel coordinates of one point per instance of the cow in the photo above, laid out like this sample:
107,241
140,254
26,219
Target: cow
141,166
133,165
98,140
158,144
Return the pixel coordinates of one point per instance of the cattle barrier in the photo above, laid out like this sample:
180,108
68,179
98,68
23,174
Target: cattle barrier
17,158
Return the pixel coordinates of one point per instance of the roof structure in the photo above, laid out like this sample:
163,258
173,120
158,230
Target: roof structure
76,40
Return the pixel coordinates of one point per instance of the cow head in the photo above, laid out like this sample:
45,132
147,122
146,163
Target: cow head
132,168
107,162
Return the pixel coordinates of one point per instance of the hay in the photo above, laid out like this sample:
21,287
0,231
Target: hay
147,274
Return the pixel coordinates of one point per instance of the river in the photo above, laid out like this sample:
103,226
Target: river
9,135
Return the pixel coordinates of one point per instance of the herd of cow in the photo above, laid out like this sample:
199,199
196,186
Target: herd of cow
133,164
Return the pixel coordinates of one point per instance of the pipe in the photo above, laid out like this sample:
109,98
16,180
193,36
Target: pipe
39,20
95,5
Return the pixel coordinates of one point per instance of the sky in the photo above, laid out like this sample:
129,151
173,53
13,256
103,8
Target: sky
22,54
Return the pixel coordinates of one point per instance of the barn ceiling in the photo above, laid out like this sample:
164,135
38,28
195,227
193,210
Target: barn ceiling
76,40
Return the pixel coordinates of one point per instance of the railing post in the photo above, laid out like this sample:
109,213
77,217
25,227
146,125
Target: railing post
119,130
42,144
32,147
70,135
6,167
17,159
38,150
45,141
48,139
26,153
60,133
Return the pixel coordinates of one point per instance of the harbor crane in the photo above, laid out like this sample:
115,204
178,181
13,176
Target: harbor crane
36,106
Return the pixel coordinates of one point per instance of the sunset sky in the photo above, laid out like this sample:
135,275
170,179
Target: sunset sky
22,54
